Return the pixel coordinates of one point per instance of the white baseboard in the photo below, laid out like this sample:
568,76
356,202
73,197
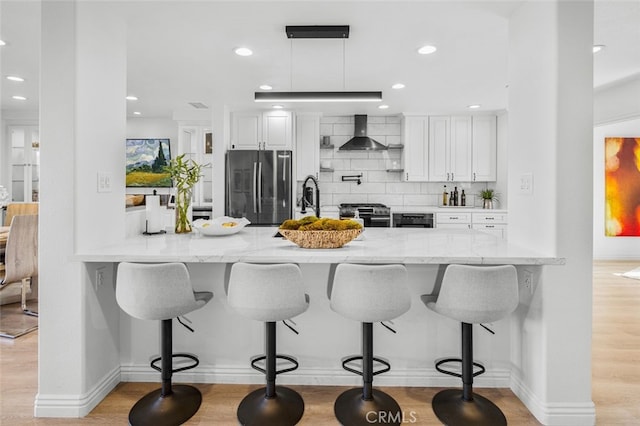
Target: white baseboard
414,377
76,405
555,413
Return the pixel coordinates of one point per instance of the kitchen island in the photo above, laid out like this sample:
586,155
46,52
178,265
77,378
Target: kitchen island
224,341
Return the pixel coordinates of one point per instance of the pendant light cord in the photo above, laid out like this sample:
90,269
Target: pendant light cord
344,79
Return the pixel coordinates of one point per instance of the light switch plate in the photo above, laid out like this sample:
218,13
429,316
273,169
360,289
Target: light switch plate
526,183
104,182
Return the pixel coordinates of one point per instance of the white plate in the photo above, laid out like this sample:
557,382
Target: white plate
214,227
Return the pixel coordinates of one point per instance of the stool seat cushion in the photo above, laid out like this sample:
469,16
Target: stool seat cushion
267,292
476,294
370,293
157,291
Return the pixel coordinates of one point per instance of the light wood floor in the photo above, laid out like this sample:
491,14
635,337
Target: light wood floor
616,375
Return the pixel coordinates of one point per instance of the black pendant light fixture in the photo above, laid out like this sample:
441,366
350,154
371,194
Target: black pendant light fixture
318,31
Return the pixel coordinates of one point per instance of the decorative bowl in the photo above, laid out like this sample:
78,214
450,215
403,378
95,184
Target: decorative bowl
320,239
220,226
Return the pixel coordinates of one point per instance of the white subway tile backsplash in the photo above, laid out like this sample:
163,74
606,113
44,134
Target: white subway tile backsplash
416,200
326,129
343,129
368,188
336,119
349,198
387,199
403,188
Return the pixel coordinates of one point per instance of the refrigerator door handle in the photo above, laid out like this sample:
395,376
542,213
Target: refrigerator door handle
259,187
255,190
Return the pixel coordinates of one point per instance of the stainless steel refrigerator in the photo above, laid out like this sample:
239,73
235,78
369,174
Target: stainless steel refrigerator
258,186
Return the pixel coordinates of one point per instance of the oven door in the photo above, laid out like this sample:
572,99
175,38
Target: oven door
413,220
377,221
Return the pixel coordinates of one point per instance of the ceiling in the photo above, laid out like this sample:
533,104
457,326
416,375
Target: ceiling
180,52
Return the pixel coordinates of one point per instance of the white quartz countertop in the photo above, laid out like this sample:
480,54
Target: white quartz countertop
377,245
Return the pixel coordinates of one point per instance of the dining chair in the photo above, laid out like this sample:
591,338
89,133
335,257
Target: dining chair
15,209
21,260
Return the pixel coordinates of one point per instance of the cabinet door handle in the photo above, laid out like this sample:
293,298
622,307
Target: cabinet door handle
447,177
474,176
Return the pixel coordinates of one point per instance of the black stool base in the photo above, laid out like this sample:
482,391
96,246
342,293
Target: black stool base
352,410
452,410
285,409
175,409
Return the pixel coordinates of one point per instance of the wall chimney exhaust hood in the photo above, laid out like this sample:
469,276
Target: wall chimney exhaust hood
360,140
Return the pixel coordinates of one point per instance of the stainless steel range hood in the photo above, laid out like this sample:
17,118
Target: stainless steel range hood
360,140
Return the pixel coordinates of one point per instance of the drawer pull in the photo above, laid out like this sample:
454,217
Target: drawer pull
453,217
489,226
490,218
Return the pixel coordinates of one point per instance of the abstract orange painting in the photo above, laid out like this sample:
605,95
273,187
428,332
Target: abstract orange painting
622,187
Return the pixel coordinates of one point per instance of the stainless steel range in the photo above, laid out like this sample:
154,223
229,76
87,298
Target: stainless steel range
373,214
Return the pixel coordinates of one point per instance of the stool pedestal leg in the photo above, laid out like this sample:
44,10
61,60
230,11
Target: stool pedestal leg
366,406
272,405
463,407
170,405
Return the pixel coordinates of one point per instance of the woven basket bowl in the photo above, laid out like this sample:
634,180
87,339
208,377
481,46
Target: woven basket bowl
320,239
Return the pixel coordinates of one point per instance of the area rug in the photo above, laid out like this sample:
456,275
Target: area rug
14,323
634,274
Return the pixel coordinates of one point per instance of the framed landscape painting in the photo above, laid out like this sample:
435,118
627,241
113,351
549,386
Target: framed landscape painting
622,187
146,159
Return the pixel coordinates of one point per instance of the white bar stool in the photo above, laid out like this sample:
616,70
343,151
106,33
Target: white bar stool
269,293
161,292
368,294
472,295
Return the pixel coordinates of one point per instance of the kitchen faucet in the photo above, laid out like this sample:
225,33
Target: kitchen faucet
303,210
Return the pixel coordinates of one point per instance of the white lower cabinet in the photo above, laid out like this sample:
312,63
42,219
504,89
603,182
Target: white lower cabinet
493,223
456,220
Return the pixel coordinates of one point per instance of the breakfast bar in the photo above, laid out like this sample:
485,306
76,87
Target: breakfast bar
225,341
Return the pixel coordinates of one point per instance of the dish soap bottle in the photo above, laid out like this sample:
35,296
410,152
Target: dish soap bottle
444,196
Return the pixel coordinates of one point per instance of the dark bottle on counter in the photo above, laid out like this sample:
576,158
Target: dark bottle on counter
451,198
455,195
444,196
463,199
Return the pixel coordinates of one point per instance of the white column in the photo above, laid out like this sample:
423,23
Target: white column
550,127
82,119
220,124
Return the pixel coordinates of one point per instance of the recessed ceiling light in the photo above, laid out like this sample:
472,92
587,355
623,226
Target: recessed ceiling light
131,98
383,106
598,47
277,106
2,43
137,113
398,86
19,98
14,78
474,106
243,51
425,50
265,87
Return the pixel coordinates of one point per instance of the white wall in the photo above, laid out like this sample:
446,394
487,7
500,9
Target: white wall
617,102
610,247
83,60
550,117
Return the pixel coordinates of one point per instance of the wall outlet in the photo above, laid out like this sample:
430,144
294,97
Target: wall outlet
526,183
99,276
527,280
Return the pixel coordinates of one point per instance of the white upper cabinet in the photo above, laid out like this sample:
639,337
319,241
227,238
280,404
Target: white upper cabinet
450,148
258,130
307,145
415,134
484,148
